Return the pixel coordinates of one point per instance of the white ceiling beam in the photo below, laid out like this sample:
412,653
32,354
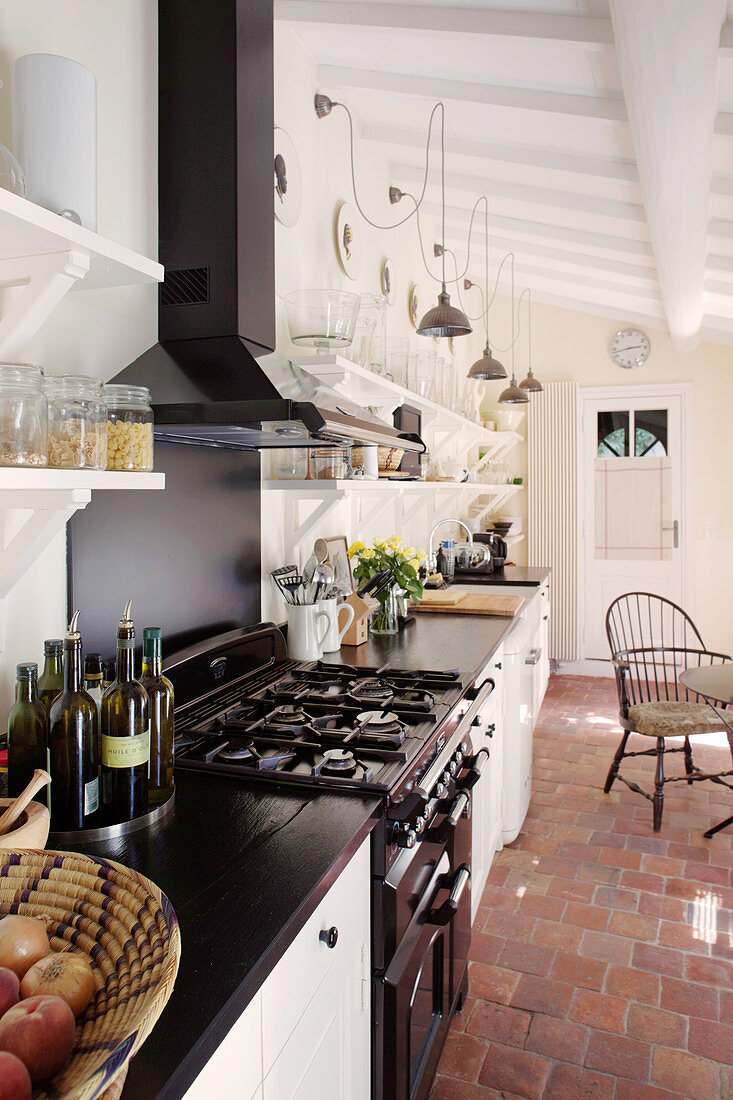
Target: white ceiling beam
526,193
721,265
600,108
553,160
667,55
719,228
580,282
571,29
726,39
570,238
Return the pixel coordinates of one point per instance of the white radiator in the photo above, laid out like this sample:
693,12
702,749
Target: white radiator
553,508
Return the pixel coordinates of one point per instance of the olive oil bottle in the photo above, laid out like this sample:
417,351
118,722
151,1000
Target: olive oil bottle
27,731
125,734
72,744
93,684
51,680
160,695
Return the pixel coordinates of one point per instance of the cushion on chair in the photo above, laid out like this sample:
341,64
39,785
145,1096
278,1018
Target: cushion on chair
672,719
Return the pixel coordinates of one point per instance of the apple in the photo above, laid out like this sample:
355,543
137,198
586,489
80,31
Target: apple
9,989
39,1031
15,1083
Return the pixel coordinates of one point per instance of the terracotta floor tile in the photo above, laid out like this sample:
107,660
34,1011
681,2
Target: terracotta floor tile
598,942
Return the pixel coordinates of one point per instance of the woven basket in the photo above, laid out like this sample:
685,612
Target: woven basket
126,927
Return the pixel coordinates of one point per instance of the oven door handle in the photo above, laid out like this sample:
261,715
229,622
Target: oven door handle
457,809
473,693
447,911
479,763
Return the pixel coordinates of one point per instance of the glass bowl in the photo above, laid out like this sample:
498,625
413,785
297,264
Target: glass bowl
322,319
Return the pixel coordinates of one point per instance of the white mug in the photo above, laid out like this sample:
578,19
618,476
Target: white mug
307,628
332,607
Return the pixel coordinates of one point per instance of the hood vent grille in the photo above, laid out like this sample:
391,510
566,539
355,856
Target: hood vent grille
187,287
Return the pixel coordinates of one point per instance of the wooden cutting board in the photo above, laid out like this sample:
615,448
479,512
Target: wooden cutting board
506,606
442,596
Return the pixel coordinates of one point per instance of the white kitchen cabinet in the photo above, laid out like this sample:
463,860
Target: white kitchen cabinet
486,808
307,1033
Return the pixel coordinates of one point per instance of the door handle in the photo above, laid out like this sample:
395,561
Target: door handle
533,657
447,911
675,528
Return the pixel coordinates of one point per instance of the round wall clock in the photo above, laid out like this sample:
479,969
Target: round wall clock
348,240
630,348
288,183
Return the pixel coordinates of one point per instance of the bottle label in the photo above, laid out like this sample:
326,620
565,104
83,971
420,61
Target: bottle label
91,797
126,752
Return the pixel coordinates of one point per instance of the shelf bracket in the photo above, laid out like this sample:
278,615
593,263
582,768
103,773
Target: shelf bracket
44,281
409,511
49,514
444,443
382,504
301,530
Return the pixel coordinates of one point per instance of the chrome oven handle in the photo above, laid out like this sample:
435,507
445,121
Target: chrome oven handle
447,911
433,774
479,763
457,809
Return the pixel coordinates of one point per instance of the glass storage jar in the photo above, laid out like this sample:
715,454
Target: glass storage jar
289,463
331,463
129,428
23,416
77,423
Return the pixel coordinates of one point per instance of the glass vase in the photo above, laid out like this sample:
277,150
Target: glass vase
384,619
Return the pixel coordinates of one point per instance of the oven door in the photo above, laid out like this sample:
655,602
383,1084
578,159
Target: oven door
413,997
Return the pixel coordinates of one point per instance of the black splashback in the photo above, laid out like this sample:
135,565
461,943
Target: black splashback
188,556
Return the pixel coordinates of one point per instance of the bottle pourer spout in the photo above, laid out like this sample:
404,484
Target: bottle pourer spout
126,613
73,624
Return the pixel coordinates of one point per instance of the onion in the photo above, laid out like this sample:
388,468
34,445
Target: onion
64,974
23,941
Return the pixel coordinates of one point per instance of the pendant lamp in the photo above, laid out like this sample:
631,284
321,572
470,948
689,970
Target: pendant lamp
487,368
513,395
444,319
530,383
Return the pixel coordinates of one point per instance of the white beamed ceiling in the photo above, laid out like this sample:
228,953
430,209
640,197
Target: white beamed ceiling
551,112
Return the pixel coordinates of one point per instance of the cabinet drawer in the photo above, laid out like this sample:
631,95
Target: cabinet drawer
235,1068
308,961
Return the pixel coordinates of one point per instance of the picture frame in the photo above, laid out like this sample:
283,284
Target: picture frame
338,557
287,179
348,240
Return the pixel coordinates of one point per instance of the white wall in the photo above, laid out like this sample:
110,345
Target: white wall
92,332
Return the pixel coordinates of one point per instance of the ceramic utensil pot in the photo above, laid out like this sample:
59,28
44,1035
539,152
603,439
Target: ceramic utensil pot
332,608
307,629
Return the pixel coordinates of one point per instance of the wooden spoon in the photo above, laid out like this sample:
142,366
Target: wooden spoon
15,809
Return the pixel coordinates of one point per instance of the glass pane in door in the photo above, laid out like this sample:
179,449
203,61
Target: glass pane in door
633,509
613,434
427,1007
650,433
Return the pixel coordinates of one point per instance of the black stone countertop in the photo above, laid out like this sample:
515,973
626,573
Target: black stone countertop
244,865
510,574
438,640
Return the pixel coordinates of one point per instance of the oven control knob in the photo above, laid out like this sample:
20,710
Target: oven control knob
440,790
458,757
420,824
446,777
463,747
452,767
404,836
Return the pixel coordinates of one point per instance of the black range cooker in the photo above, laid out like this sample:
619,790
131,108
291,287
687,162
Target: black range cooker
243,708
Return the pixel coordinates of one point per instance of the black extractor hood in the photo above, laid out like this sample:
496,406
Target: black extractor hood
213,374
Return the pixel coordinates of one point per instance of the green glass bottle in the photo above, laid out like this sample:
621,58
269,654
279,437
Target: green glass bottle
160,694
27,732
125,734
51,680
72,745
93,684
109,672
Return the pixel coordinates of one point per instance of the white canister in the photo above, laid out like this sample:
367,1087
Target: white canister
332,608
55,133
307,629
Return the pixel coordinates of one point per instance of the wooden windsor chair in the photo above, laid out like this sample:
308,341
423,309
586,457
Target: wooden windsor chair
652,640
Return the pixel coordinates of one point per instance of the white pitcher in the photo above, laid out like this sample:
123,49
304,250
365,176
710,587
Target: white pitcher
332,608
308,625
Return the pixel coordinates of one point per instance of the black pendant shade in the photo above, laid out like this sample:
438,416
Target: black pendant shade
444,319
487,368
513,394
530,383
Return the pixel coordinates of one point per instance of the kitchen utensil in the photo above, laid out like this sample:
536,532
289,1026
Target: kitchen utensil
373,582
335,632
307,629
498,548
503,606
292,589
15,809
320,551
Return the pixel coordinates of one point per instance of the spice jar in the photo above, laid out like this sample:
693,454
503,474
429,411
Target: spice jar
23,416
77,423
129,428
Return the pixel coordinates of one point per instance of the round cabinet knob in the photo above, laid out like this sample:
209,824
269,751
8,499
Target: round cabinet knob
329,936
478,721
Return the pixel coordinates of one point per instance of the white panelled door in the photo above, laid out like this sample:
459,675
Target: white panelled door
634,501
